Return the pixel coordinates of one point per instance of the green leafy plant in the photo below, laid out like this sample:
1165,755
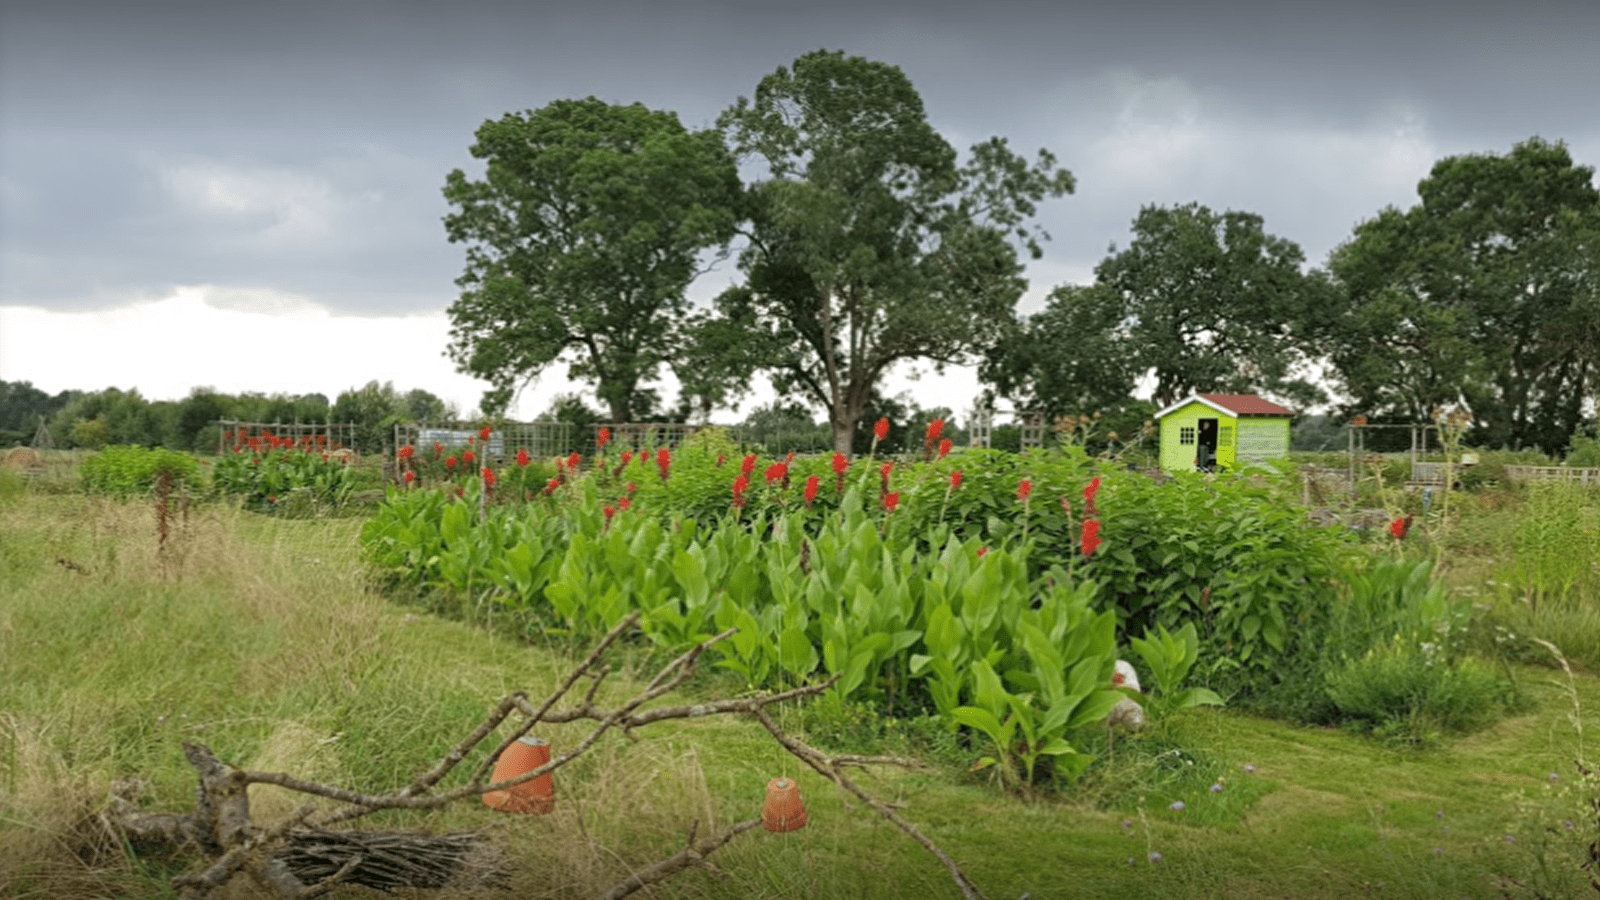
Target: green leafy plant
1169,657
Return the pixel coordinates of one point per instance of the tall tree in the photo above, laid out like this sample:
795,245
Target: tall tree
1213,303
1485,293
581,239
869,243
1074,356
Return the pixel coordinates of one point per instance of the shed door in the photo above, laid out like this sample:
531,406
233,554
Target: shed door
1205,446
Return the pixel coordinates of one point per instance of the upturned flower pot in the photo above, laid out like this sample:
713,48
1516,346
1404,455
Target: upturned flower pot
783,810
536,795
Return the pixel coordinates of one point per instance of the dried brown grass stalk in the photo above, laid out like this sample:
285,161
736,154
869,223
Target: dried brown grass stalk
301,857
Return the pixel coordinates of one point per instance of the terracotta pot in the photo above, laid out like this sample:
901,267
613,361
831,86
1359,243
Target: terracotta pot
536,795
783,810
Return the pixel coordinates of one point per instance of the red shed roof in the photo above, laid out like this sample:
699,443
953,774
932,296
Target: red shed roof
1238,405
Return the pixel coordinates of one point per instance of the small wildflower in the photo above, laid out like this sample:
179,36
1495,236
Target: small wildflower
1126,824
1216,788
1178,806
1438,814
1554,777
1511,839
1249,768
1155,856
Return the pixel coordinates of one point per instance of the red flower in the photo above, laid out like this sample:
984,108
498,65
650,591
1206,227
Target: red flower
740,485
1091,537
574,461
450,463
603,438
322,439
663,461
438,448
883,473
880,431
410,476
1089,490
550,487
840,464
627,457
631,488
721,458
609,511
812,484
944,448
891,502
748,465
1399,527
522,457
1023,490
982,551
625,503
955,479
776,472
935,428
488,477
467,457
484,432
254,443
407,451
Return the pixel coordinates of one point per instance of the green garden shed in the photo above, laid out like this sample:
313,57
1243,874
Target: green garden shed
1212,432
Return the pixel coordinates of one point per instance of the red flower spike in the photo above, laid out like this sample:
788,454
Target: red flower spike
748,465
891,502
881,430
840,464
663,461
1399,527
1090,541
467,457
935,428
1089,490
450,463
955,479
740,485
627,457
775,472
1066,506
944,448
410,476
438,448
484,432
522,458
812,484
488,477
631,488
574,461
407,451
550,487
721,458
625,503
609,511
603,438
1023,490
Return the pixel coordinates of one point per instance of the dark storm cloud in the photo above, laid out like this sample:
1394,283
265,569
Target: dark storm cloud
301,147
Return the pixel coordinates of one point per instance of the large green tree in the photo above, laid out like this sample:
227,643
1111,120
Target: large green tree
1486,293
870,242
582,237
1074,356
1210,302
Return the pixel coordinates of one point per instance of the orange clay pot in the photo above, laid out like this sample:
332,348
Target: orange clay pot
783,810
536,795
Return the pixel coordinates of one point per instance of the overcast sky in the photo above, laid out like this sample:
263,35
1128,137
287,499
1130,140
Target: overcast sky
247,195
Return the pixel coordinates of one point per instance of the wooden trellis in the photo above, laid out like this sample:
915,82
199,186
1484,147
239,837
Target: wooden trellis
540,439
327,436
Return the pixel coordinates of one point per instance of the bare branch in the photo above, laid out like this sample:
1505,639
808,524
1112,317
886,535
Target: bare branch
692,855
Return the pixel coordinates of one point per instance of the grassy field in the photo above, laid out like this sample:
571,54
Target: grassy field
260,638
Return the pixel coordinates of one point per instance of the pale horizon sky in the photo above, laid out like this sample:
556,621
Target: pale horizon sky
247,196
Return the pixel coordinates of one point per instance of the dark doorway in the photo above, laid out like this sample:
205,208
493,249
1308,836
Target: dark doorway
1205,449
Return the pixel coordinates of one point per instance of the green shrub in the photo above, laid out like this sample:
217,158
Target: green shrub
289,481
131,471
1411,693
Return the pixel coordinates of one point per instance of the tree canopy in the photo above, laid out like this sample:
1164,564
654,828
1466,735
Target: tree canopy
1484,294
581,239
870,243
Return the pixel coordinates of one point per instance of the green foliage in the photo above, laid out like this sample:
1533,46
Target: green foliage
871,244
1548,556
286,480
1477,293
132,471
584,232
1169,657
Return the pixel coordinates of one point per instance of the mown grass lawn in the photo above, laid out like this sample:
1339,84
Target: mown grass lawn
261,638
